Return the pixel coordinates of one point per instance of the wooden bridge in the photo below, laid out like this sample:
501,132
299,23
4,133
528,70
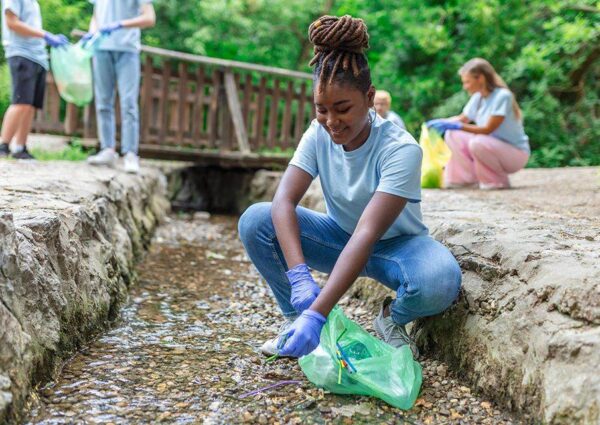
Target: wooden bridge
206,110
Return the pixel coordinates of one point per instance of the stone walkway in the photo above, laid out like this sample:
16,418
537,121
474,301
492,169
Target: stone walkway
527,329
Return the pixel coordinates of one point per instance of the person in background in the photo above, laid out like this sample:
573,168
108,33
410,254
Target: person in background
496,145
117,63
383,103
24,43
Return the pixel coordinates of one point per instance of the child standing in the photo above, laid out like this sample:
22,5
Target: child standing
370,174
486,152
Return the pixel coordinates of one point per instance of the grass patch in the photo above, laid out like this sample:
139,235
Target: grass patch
73,152
277,151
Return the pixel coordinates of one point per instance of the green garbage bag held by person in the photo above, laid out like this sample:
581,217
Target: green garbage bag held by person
436,155
349,360
72,71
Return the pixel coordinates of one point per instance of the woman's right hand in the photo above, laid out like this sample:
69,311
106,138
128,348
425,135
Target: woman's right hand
304,288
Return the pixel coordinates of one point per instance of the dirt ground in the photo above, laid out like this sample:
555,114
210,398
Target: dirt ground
573,192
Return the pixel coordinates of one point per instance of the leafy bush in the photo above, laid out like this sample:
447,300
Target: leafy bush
5,88
74,151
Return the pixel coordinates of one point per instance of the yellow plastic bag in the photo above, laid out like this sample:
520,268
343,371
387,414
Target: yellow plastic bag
436,155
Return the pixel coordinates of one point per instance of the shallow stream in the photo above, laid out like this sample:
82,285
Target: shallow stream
185,351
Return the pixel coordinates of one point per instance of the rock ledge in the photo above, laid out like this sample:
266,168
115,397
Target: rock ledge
69,238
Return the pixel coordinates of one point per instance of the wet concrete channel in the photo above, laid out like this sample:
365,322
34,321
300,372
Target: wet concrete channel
184,351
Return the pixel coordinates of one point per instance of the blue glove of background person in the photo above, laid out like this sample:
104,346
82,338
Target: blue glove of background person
107,29
304,288
304,334
88,36
442,125
55,40
430,123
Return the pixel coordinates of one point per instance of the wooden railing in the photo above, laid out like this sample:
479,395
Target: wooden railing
197,108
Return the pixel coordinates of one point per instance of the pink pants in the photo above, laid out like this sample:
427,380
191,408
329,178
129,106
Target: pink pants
479,158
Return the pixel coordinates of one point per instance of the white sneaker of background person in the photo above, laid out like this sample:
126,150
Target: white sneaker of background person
131,163
106,156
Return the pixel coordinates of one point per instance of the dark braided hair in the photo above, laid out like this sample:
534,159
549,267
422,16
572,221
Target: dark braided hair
340,44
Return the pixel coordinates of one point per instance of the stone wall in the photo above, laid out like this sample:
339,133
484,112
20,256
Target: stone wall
526,329
70,236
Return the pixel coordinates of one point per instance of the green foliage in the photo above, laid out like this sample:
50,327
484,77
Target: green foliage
62,16
5,88
73,152
277,151
270,32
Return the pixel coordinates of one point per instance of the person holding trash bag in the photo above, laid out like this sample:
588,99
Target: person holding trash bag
117,63
369,170
24,43
486,152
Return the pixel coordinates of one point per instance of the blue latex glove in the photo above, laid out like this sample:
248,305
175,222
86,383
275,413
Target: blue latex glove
442,125
304,334
108,29
87,37
304,288
55,40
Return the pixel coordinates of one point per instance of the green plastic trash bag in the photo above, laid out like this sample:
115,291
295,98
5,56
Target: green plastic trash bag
72,71
436,155
372,367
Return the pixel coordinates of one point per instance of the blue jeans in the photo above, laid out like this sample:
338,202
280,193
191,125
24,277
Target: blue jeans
422,271
123,70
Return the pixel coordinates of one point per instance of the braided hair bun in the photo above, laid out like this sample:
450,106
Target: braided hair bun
339,51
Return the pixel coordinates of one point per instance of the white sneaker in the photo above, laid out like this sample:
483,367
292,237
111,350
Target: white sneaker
106,156
270,347
131,163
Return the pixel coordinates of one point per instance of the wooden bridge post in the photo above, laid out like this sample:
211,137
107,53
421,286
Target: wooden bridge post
71,119
235,109
146,99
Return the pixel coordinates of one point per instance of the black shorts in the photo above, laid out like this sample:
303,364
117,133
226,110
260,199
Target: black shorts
28,82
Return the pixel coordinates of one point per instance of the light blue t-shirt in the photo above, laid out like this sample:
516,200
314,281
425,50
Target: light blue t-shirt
111,11
395,118
32,48
499,102
389,161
